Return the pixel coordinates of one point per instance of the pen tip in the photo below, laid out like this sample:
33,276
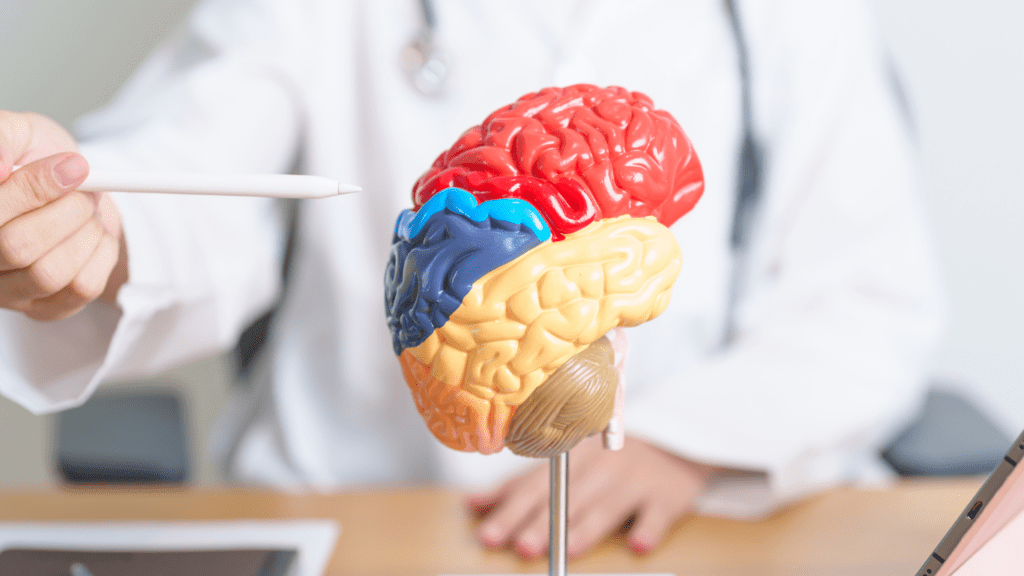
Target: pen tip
348,188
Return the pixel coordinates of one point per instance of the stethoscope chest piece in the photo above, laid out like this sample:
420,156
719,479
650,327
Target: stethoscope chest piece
426,65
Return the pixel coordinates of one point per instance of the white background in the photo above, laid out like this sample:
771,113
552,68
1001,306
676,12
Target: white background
962,65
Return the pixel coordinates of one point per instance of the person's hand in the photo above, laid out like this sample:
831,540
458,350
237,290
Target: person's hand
59,248
641,484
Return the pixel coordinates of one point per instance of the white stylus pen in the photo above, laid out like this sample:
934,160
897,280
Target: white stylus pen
213,184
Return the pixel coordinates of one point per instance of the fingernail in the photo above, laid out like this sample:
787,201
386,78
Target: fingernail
491,535
71,170
529,546
640,545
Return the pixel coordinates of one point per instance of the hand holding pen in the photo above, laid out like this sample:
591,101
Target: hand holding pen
61,242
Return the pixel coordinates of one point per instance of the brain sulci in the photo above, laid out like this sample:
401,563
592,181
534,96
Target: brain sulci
531,237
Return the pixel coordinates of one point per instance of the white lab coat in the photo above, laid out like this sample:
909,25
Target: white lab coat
837,314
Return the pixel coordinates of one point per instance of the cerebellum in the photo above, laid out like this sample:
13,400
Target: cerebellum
538,231
576,401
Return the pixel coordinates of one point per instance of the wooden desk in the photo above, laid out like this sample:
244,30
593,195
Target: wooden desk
428,532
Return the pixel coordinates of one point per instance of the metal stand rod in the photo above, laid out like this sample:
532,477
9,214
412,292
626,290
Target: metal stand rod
558,521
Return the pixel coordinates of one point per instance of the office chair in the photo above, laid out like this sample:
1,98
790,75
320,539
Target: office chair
950,437
134,436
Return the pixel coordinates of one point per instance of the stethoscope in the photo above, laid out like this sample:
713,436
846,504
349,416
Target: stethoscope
427,67
424,62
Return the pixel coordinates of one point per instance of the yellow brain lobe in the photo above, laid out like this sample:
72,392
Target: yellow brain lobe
523,320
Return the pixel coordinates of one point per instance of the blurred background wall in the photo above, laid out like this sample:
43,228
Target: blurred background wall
962,65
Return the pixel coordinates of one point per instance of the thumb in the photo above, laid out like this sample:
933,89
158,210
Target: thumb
39,183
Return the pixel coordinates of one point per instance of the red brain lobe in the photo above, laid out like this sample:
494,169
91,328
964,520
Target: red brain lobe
578,154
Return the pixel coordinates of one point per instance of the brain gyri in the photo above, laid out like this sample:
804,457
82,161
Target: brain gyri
536,233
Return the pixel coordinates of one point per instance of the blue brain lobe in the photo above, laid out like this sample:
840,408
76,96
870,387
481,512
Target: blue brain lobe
439,252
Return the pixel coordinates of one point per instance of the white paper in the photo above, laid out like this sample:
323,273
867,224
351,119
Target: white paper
313,539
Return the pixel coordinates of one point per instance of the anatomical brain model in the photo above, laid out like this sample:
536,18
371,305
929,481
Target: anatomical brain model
535,234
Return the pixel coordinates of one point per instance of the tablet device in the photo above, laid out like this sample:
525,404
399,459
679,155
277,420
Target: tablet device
167,548
987,536
45,562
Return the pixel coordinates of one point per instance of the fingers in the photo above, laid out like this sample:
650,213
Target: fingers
55,269
481,504
651,525
40,183
532,539
50,166
108,214
65,279
26,238
58,246
518,504
646,484
656,516
85,287
593,523
604,493
517,512
669,496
